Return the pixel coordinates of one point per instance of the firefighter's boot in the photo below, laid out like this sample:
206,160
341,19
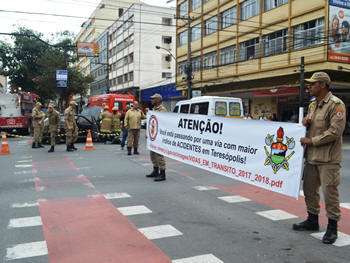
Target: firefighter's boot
160,177
331,234
155,172
69,148
129,150
52,149
135,151
73,147
35,145
40,145
310,224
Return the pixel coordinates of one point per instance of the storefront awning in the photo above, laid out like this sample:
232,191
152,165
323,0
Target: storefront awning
276,92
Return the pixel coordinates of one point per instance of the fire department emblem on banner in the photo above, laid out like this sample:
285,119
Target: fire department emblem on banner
279,153
152,127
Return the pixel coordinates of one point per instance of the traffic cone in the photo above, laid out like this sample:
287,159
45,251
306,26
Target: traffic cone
4,145
89,146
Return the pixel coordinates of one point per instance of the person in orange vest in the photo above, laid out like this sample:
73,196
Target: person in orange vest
106,123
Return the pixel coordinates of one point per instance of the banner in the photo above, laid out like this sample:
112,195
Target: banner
339,29
262,153
88,49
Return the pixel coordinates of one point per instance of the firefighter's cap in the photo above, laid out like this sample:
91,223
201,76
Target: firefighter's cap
106,107
73,103
319,76
157,96
50,105
114,109
38,104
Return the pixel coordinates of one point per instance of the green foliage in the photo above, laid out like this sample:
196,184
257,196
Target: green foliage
31,64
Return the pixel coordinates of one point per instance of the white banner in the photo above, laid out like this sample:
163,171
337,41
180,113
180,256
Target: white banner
262,153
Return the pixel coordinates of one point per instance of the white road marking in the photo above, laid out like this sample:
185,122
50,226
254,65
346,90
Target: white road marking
26,204
24,172
161,231
234,199
27,157
204,188
342,240
146,164
208,258
28,180
26,250
23,165
345,205
110,196
25,222
84,168
134,210
276,215
24,161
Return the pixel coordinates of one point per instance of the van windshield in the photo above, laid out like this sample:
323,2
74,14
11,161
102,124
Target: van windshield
200,108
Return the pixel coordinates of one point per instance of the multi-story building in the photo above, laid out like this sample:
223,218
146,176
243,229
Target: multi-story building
252,49
99,66
136,64
102,17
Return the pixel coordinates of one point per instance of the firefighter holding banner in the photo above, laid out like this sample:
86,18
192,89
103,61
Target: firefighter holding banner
157,159
325,122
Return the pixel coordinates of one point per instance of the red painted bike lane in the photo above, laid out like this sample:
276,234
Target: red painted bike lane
87,229
285,203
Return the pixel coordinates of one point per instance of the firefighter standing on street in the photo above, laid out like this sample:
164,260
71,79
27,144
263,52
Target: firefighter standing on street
115,121
325,122
71,126
132,123
54,125
157,159
38,117
106,123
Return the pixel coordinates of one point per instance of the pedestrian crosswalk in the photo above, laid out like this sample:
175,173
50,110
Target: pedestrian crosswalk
38,248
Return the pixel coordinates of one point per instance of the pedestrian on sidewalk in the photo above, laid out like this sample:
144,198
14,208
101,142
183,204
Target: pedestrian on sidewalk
124,130
132,123
54,125
157,159
71,126
325,122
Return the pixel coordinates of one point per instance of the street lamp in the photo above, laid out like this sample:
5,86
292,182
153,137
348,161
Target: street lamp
188,71
167,50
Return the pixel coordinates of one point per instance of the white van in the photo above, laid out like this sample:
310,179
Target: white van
212,106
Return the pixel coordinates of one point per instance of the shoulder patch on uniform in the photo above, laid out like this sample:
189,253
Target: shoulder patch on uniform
335,99
339,112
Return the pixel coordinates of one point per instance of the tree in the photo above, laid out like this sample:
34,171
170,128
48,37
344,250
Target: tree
31,64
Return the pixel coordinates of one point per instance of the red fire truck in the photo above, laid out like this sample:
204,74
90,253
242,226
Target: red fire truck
16,110
112,100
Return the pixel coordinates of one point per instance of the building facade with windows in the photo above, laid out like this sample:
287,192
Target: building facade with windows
252,49
99,67
135,62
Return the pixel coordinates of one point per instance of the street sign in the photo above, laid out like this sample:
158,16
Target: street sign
61,78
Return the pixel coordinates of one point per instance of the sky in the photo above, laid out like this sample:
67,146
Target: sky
51,24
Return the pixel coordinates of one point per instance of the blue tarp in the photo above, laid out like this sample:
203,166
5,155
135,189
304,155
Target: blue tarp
167,91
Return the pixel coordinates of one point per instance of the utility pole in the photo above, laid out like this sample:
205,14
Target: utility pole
189,59
188,68
301,89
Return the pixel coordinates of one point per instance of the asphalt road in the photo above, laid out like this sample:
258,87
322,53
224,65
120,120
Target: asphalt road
97,206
